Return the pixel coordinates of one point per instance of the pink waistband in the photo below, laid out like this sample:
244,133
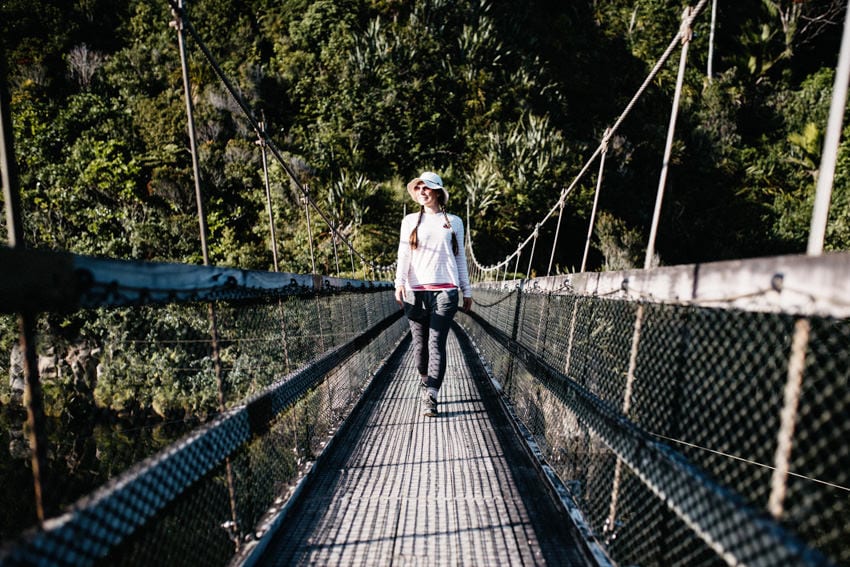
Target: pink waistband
433,287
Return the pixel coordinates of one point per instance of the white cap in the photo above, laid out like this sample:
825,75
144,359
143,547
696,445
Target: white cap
431,181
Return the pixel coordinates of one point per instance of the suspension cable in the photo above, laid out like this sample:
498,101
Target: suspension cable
333,240
262,143
309,227
832,138
256,126
595,200
516,266
675,42
555,239
686,34
533,246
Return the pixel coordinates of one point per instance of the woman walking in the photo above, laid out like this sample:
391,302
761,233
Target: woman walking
431,273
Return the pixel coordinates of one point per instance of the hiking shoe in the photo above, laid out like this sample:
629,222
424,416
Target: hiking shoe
429,403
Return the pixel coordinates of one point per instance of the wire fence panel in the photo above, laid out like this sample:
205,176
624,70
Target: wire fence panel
668,419
213,522
230,383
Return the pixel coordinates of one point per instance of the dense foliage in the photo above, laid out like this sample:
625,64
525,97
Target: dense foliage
507,100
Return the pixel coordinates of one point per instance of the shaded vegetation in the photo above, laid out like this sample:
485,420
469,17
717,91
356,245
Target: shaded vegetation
506,100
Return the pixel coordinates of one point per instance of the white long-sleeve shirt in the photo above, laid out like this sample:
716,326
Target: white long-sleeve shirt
433,262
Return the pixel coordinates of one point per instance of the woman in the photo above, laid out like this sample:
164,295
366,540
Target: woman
430,275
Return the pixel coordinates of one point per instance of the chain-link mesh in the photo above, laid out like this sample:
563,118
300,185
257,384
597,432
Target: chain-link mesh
301,358
227,510
664,421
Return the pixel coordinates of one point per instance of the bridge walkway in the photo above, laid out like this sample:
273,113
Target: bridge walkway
400,488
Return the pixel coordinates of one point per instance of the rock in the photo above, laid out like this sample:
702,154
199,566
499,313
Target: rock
83,360
16,371
48,366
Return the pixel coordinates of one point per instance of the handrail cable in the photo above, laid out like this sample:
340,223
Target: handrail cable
555,239
688,22
262,143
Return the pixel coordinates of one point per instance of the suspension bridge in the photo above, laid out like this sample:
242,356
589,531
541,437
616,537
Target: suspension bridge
683,415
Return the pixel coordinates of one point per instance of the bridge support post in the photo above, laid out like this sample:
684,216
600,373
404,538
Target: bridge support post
179,14
33,399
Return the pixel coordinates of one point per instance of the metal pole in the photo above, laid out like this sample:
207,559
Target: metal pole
33,398
193,145
595,199
686,35
710,70
262,142
826,173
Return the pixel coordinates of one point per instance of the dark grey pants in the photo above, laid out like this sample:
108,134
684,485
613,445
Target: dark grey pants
430,316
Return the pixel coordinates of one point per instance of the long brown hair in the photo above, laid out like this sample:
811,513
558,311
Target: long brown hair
414,234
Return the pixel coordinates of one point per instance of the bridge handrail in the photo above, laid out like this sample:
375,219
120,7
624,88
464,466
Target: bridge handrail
801,285
718,382
40,280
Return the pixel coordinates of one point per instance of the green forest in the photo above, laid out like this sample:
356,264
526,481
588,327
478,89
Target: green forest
507,100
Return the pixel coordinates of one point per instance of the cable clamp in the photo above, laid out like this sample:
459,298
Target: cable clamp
686,31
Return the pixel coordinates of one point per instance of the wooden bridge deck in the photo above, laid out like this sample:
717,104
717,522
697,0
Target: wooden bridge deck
400,488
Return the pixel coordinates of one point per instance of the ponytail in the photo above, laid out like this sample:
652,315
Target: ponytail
454,236
414,234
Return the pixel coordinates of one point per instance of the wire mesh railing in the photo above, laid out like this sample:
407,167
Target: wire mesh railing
663,400
295,354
